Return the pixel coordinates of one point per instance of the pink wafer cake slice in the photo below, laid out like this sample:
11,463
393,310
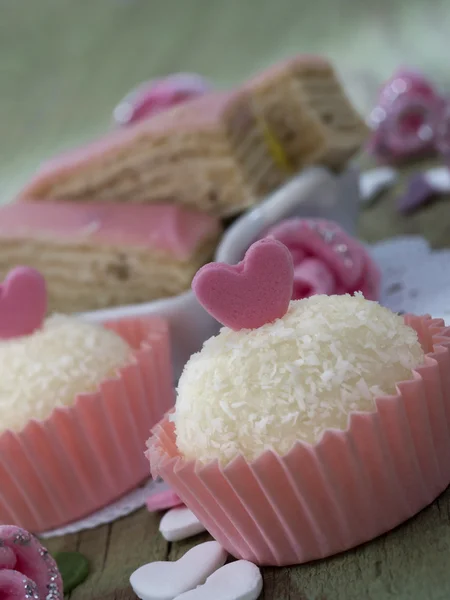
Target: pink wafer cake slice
101,255
317,123
181,156
219,153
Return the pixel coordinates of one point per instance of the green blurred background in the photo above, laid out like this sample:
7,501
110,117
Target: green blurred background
65,63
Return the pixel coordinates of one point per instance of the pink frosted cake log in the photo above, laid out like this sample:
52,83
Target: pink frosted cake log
26,568
220,152
203,117
162,228
95,255
180,156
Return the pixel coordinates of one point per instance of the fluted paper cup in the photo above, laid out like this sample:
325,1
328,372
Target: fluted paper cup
87,455
322,499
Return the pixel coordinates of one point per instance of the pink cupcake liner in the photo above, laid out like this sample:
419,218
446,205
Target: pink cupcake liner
85,456
350,487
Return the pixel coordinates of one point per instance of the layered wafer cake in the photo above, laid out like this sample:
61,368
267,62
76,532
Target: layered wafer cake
219,153
96,255
181,156
315,122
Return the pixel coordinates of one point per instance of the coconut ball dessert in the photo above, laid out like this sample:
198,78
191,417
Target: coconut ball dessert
249,391
50,367
77,401
308,427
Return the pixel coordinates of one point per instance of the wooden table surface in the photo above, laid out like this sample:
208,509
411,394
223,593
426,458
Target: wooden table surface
409,563
63,66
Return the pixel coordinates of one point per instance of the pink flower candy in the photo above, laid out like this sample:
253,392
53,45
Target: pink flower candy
406,117
326,259
443,134
26,569
158,95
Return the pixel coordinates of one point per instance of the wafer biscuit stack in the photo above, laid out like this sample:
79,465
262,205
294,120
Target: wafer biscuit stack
219,153
305,107
181,156
103,255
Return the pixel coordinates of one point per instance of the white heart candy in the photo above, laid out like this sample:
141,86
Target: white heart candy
179,523
374,181
439,179
165,580
240,580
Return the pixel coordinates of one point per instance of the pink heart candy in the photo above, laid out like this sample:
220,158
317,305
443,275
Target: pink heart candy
23,302
252,293
163,501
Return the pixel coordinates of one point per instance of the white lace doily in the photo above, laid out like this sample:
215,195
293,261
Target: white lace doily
415,279
124,506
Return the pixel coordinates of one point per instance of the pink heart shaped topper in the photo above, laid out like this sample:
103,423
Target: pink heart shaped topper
23,302
252,293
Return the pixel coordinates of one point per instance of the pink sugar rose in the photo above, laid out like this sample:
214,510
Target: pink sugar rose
406,118
26,569
326,259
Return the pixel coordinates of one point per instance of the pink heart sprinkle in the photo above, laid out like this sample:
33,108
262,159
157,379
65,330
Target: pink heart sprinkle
163,501
23,302
252,293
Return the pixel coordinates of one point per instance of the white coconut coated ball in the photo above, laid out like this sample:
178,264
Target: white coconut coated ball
252,390
50,367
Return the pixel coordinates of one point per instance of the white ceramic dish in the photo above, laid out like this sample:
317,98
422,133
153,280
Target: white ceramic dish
314,193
